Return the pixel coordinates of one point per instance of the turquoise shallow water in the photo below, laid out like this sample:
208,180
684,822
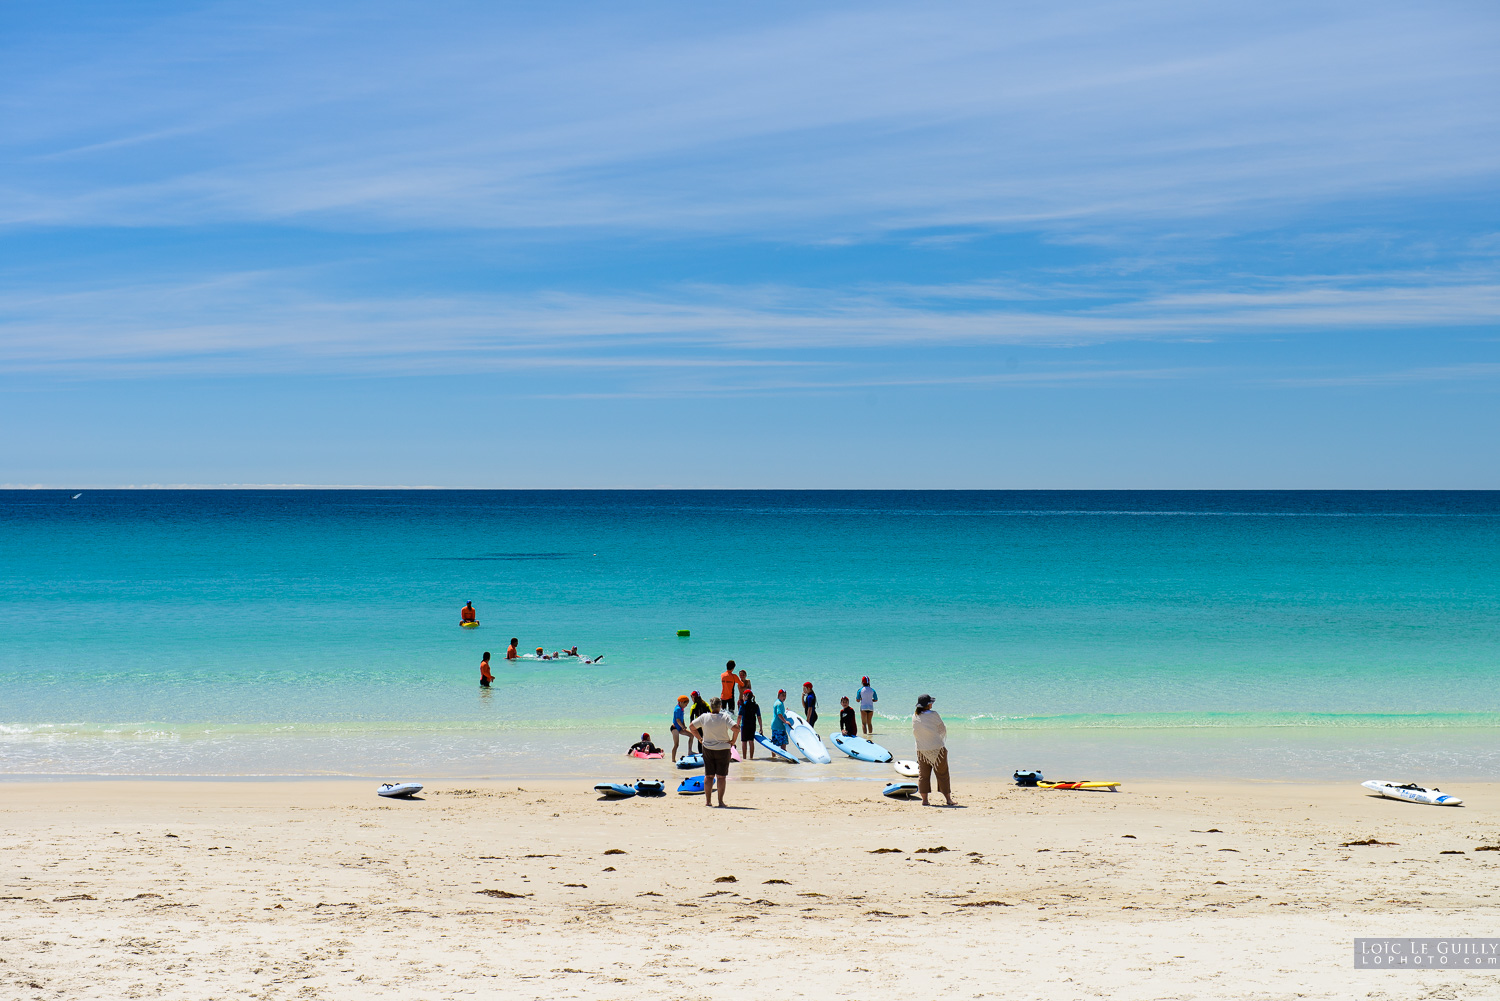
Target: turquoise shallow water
285,632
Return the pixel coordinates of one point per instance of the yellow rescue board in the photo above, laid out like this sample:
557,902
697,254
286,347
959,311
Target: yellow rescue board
1078,785
469,625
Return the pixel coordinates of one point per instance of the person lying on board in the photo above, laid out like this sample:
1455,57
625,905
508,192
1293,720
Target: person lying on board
644,746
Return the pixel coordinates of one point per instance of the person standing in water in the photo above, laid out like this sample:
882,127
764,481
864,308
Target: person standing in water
749,723
679,726
484,671
809,704
866,698
932,753
778,719
467,613
716,732
512,653
728,681
846,718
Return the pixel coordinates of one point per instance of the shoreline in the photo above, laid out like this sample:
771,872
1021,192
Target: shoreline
1429,756
737,778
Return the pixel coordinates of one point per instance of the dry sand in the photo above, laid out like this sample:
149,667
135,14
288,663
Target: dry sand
318,889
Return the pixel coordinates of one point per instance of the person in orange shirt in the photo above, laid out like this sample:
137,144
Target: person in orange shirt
467,613
727,682
485,677
512,653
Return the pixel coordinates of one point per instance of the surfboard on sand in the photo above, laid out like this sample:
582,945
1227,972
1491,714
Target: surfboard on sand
1078,785
615,790
398,790
1410,792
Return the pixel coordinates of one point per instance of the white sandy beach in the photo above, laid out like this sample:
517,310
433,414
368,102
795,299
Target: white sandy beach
318,889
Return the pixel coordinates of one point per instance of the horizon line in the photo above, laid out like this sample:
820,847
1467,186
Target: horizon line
14,487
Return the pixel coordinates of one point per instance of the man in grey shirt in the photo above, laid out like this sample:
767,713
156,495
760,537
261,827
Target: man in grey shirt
716,732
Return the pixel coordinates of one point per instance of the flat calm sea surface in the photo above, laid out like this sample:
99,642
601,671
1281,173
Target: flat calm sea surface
316,632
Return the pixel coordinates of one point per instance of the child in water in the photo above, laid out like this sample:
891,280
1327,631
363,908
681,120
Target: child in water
847,722
644,746
809,704
680,727
749,724
778,719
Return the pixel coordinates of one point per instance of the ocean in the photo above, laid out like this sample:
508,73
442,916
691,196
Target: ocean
1089,634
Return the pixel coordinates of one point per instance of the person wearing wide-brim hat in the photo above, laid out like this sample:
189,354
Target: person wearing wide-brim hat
932,753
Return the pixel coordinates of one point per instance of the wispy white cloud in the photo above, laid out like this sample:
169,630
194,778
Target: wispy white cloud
1468,372
277,322
809,122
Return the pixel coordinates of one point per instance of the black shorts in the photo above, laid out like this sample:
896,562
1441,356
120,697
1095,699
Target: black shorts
484,683
715,763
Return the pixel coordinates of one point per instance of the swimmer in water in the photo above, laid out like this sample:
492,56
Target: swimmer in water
593,660
511,654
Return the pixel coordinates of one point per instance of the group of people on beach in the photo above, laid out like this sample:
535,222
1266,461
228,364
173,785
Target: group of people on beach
737,697
735,716
716,725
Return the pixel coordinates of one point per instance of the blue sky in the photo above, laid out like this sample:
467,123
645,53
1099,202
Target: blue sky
866,245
